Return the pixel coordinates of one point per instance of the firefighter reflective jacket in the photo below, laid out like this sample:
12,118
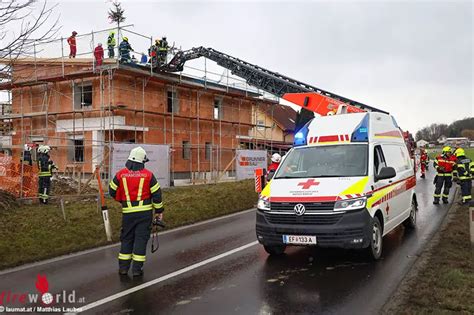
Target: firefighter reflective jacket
445,165
45,166
111,40
137,190
464,167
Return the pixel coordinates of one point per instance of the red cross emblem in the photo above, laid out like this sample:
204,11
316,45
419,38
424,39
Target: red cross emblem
308,184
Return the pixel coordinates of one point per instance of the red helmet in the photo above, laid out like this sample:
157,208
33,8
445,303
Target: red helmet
74,33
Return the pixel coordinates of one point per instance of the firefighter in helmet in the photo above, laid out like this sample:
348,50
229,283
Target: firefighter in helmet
137,189
424,160
276,159
465,170
444,165
45,168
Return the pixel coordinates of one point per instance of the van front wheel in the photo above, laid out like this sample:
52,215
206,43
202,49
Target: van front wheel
374,250
410,222
275,250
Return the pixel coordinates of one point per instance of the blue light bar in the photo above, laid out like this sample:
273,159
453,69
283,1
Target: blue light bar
361,132
301,135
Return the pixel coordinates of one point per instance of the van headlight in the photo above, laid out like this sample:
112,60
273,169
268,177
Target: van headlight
350,204
263,203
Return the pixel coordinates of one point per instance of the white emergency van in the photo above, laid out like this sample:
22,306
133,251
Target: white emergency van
347,182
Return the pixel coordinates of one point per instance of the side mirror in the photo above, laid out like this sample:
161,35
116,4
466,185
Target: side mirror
386,173
270,175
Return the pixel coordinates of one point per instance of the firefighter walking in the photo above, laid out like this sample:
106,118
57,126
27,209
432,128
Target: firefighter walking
424,160
137,189
465,170
45,168
444,165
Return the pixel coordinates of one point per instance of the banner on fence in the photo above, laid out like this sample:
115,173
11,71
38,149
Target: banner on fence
158,154
249,160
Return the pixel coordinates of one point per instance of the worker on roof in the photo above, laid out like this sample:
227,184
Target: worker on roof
444,165
153,53
465,169
111,44
98,55
45,172
72,45
124,51
137,189
163,50
424,160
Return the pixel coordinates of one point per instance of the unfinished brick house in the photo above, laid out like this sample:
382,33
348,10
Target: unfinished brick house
79,111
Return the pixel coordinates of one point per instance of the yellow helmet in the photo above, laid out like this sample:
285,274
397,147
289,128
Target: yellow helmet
125,39
447,149
459,152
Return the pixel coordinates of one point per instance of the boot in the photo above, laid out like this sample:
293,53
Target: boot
436,201
137,269
445,200
123,272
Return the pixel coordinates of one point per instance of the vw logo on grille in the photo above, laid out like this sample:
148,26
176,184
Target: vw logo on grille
299,209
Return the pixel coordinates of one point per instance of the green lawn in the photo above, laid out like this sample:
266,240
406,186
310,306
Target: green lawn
33,232
445,285
434,152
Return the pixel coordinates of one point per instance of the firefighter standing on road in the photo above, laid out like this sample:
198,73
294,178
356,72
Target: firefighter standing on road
444,165
45,167
424,160
139,193
465,169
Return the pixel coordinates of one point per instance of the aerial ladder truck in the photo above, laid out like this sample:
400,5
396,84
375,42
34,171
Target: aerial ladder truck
310,98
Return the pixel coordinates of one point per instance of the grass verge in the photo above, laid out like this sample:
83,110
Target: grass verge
33,232
445,282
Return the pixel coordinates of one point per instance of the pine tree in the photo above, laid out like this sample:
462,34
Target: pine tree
116,13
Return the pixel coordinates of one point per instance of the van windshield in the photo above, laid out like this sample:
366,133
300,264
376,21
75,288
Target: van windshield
348,160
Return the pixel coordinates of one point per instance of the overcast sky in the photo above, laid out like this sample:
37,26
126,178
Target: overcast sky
413,59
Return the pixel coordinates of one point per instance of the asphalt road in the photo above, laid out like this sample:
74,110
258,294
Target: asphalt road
218,268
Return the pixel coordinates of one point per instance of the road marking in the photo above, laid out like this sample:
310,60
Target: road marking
93,250
164,278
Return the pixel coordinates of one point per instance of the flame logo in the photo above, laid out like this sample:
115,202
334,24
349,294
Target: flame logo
42,284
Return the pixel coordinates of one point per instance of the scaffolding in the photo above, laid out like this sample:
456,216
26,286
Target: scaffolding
38,85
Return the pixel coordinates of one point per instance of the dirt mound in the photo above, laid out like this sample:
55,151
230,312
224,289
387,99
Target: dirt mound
64,185
7,200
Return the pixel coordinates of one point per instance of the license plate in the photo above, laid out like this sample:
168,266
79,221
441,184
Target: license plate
299,239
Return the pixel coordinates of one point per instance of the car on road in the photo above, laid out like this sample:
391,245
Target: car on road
348,181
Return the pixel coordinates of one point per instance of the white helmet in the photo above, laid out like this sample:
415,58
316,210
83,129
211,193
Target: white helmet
276,158
44,149
138,154
27,147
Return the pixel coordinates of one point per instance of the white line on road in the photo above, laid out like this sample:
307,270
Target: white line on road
165,277
93,250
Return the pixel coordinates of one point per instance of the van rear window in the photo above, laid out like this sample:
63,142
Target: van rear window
348,160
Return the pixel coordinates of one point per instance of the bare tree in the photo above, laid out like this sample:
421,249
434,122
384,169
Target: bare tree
22,27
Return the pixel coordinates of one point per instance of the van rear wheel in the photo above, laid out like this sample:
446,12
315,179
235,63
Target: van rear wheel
275,250
410,222
374,250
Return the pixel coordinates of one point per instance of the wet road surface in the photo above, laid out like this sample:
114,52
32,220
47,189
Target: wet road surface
217,268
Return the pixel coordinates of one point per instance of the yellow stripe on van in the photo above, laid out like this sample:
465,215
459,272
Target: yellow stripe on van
266,191
357,188
379,195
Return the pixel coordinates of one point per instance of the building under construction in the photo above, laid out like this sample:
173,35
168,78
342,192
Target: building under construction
80,110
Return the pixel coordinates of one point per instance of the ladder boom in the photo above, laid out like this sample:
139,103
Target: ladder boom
269,81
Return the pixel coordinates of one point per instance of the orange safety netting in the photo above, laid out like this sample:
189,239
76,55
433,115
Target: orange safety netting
11,179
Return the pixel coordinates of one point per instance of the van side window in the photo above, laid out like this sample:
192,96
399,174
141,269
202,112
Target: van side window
379,159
